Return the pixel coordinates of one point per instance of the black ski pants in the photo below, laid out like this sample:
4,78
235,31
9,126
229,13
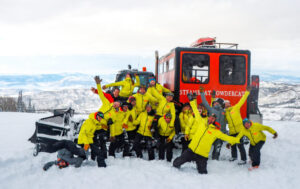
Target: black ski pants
67,144
119,142
100,138
188,156
154,125
137,146
254,153
185,144
217,149
165,147
241,149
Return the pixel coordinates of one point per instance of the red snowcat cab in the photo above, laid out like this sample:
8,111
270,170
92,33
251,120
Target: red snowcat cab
215,66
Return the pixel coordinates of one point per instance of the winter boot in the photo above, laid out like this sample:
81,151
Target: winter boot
232,159
242,162
253,168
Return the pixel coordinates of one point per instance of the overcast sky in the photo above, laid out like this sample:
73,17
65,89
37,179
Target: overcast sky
95,36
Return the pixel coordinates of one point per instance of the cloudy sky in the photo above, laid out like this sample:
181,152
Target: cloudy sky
100,36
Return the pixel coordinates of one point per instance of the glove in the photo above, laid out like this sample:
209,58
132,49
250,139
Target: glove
275,135
169,140
186,137
228,146
109,122
201,89
190,96
213,94
86,147
104,87
104,127
125,126
98,80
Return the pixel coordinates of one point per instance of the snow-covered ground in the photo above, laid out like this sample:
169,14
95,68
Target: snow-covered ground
19,169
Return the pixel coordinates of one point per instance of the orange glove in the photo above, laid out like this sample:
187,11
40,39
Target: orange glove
86,147
125,126
169,140
104,127
186,137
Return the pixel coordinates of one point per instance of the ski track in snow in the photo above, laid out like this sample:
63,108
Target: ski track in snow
19,169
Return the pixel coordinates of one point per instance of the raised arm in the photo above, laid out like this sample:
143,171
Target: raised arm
137,81
242,100
116,84
104,100
204,101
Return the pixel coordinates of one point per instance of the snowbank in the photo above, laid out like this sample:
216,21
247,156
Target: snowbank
19,169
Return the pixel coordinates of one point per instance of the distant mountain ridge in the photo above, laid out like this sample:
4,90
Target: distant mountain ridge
279,97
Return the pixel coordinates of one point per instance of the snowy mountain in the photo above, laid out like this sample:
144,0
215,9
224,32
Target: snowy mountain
278,100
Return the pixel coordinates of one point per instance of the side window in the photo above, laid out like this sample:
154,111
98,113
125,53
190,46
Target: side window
160,68
171,64
167,65
232,70
195,68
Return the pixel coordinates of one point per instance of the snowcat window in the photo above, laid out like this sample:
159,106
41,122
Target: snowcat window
232,70
160,68
167,65
195,68
171,64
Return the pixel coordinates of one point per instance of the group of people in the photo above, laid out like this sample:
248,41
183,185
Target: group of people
147,120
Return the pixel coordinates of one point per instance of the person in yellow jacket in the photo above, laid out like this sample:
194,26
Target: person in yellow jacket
166,134
86,135
235,124
145,120
165,105
129,119
254,132
143,98
127,85
193,125
158,87
202,141
184,118
117,137
107,108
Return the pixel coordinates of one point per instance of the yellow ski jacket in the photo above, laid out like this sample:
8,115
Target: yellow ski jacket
160,89
88,128
233,116
133,114
206,135
127,86
145,122
117,127
165,129
254,133
142,100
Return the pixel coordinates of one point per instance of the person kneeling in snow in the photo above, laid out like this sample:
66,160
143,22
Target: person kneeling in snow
66,151
206,134
257,139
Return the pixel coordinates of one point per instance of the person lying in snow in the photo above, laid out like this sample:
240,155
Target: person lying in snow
68,154
254,132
